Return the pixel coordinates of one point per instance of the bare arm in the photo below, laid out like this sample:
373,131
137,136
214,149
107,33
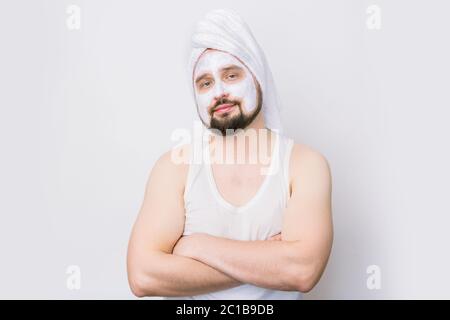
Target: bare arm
152,268
296,262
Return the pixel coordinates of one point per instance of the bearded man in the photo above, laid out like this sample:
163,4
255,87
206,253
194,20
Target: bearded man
252,219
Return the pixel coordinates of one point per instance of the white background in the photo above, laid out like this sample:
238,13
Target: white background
86,113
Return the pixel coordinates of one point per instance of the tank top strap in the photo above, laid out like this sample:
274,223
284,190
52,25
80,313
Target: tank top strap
287,158
286,145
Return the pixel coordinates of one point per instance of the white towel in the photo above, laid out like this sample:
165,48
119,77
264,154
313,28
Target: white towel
225,30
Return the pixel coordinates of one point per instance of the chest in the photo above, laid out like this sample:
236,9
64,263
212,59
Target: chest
238,183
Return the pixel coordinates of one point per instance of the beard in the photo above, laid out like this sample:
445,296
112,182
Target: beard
227,124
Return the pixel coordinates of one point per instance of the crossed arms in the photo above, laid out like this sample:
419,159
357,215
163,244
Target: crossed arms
162,262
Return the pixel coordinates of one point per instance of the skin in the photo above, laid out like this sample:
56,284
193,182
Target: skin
218,86
163,262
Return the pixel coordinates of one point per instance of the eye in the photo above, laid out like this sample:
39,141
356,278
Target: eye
232,76
205,84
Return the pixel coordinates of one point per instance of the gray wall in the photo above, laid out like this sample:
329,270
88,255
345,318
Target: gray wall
86,112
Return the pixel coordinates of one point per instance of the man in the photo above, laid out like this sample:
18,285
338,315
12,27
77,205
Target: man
239,229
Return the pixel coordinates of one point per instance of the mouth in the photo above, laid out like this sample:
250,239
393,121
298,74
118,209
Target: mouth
226,107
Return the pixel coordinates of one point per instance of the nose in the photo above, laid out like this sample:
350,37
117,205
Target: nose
218,90
220,97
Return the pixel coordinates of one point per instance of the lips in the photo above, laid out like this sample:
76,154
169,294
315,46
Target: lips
224,107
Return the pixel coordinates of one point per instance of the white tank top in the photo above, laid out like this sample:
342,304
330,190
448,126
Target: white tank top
206,211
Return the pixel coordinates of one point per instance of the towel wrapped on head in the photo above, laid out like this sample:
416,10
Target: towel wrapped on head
225,30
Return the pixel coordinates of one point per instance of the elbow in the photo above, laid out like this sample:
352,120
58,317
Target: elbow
305,270
143,275
141,285
306,278
305,284
137,285
137,290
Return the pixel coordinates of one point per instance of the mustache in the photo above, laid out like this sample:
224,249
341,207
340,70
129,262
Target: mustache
223,101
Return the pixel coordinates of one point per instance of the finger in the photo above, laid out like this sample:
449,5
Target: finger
275,237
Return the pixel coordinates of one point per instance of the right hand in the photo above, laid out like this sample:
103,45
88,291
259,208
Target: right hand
276,237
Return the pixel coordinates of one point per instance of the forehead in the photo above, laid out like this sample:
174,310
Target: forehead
213,60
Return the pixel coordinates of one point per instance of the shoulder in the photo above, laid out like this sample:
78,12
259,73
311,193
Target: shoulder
306,157
309,166
172,166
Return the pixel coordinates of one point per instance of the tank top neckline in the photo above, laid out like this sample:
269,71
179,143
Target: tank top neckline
218,196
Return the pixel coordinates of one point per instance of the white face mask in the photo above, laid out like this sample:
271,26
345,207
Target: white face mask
233,84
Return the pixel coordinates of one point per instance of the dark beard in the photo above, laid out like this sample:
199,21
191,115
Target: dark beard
227,126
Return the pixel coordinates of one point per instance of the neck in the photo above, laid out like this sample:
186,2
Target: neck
255,137
257,126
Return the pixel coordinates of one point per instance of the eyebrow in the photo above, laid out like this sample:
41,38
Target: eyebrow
232,67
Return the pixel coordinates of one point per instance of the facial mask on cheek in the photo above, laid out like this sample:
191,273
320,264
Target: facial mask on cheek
244,90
